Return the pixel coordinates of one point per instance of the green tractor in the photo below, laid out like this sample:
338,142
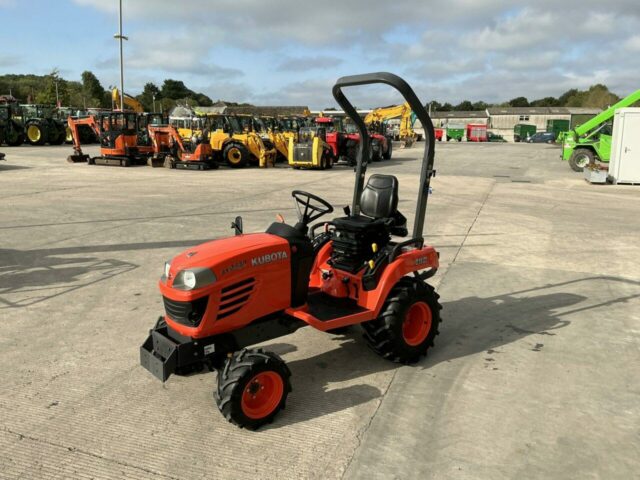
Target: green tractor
41,126
11,130
591,141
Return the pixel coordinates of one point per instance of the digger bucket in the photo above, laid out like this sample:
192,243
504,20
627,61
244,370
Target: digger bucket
78,158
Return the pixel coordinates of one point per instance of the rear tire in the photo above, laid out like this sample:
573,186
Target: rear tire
388,153
407,324
35,134
580,158
236,155
252,388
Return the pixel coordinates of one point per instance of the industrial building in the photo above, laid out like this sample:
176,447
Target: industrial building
502,120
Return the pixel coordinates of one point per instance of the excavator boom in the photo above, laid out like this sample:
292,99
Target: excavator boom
129,101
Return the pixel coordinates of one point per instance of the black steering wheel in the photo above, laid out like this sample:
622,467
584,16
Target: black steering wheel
314,206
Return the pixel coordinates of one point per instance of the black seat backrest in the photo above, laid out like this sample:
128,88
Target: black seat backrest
379,198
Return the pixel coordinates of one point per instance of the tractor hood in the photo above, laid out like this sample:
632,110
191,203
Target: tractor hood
230,256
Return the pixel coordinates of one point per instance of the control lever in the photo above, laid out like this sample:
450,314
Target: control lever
237,225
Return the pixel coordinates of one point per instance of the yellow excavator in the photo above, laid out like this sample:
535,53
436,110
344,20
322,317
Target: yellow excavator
129,101
379,115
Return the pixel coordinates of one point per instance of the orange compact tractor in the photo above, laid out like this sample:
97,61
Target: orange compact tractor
117,133
226,295
169,149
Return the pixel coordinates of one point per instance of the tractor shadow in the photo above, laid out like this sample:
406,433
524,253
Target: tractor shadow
28,277
470,326
7,167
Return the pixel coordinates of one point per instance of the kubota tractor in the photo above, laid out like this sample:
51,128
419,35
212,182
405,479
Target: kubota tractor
226,295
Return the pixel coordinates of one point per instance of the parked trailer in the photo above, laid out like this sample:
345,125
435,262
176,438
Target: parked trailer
476,132
455,132
522,131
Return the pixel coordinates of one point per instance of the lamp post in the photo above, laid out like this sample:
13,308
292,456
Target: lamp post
153,95
121,37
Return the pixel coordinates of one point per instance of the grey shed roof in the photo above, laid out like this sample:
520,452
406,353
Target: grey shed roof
460,114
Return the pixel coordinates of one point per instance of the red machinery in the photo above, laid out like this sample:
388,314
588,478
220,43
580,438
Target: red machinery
344,145
477,132
229,294
439,133
170,150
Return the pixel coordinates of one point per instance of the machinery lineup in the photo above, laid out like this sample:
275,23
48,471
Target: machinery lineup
225,296
304,142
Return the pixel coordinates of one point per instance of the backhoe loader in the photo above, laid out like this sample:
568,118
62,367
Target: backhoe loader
230,141
403,111
268,129
591,141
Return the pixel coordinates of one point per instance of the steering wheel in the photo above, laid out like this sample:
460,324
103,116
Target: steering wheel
314,206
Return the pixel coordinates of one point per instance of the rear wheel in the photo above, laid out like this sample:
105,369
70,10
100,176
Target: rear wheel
236,155
580,158
59,138
15,139
387,155
36,134
252,388
407,324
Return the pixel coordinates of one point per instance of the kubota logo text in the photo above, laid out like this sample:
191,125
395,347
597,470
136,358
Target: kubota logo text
268,258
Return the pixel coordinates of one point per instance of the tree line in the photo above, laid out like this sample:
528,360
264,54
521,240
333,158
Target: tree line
596,96
89,92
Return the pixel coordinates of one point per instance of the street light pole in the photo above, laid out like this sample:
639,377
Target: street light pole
121,37
154,102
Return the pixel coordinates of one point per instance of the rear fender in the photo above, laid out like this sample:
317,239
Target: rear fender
415,260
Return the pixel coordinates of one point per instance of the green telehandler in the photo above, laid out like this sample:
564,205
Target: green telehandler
591,141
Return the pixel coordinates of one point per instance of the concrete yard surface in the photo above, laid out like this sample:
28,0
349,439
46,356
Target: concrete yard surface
535,374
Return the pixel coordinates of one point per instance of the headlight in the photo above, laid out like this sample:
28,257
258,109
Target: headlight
194,278
167,267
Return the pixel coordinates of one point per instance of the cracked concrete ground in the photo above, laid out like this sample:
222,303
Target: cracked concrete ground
535,373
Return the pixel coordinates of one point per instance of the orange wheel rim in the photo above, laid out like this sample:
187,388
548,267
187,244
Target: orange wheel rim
417,324
262,395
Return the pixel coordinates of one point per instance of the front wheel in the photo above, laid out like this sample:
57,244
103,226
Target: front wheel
236,155
580,158
407,324
252,388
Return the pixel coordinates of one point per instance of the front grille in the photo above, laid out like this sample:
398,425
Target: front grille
235,296
186,313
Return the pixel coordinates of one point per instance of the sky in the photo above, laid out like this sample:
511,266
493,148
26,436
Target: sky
285,52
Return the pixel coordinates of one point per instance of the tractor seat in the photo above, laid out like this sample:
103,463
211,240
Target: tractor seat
378,208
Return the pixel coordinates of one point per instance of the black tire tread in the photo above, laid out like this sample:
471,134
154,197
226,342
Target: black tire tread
384,334
239,369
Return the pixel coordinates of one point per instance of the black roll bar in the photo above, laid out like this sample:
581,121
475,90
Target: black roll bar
363,152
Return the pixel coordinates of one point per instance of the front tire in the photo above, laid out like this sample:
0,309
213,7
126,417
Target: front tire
580,158
252,388
407,324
